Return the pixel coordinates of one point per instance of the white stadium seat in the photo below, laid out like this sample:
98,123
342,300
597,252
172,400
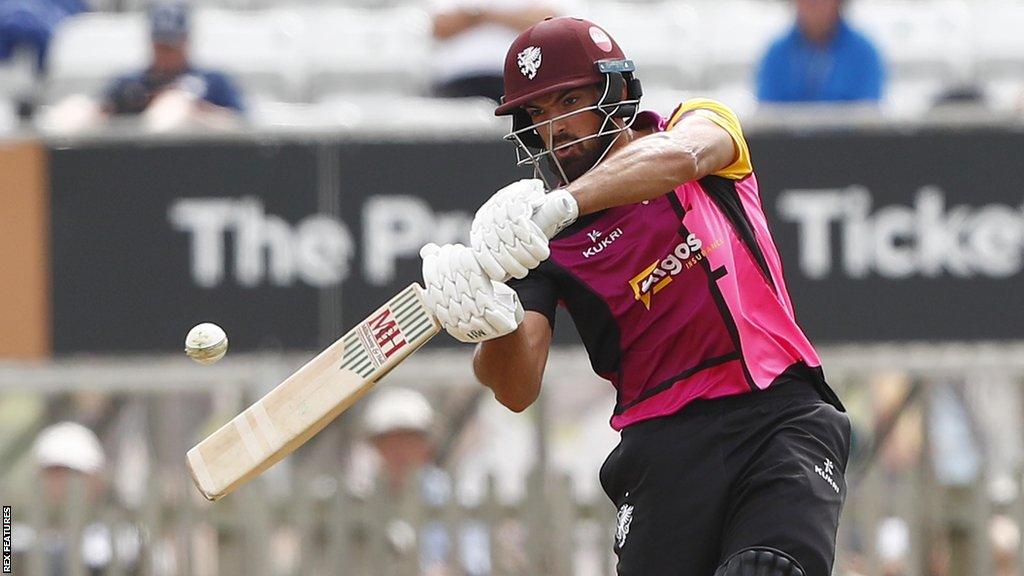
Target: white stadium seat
260,50
18,75
89,50
912,97
998,39
1005,95
919,39
737,33
8,116
352,50
663,38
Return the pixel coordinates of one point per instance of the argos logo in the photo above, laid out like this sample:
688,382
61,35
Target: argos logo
659,274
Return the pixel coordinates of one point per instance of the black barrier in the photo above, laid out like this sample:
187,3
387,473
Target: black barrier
148,241
898,236
885,236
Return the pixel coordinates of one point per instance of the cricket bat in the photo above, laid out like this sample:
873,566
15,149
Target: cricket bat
308,400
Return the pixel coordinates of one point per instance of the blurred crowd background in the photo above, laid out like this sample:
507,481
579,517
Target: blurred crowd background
274,166
66,65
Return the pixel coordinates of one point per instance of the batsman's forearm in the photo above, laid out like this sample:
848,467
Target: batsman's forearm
509,366
646,168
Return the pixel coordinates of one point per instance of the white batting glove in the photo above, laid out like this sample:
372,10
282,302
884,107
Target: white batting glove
510,232
468,304
505,240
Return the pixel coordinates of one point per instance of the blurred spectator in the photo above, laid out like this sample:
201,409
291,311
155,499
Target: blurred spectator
64,451
1004,535
171,87
28,25
68,454
893,546
26,29
821,59
472,37
398,424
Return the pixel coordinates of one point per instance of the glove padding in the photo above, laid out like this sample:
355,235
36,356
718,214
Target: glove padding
510,232
505,239
468,304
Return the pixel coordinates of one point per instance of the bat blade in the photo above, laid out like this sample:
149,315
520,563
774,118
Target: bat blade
304,403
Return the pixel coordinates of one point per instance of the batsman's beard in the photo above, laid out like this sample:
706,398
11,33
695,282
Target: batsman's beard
584,155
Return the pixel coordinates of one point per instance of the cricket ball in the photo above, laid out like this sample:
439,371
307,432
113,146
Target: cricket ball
206,343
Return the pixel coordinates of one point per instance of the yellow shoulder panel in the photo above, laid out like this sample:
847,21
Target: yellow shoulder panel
726,118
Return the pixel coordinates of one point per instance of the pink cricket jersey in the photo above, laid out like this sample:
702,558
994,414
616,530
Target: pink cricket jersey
678,298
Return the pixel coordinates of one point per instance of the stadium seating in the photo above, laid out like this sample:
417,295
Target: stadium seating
997,39
919,39
663,38
90,49
417,115
351,50
736,33
411,116
338,56
998,51
262,50
17,76
911,97
8,116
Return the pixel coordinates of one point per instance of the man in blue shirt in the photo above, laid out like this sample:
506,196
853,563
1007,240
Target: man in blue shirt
170,70
821,59
30,24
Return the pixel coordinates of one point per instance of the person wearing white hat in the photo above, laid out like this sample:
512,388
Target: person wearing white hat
397,423
63,453
68,448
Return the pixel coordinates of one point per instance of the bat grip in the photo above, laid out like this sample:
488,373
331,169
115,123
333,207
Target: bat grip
554,213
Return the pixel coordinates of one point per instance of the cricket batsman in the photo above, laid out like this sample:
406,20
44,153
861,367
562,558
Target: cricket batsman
733,447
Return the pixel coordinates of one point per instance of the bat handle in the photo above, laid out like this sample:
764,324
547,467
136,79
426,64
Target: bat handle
554,213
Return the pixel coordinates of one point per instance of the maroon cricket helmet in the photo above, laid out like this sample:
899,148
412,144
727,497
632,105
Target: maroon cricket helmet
559,54
553,55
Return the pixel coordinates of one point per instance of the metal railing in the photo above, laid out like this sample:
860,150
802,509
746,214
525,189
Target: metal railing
318,528
905,514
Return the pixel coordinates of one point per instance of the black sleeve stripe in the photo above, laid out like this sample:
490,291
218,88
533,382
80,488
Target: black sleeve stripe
723,192
677,206
596,324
